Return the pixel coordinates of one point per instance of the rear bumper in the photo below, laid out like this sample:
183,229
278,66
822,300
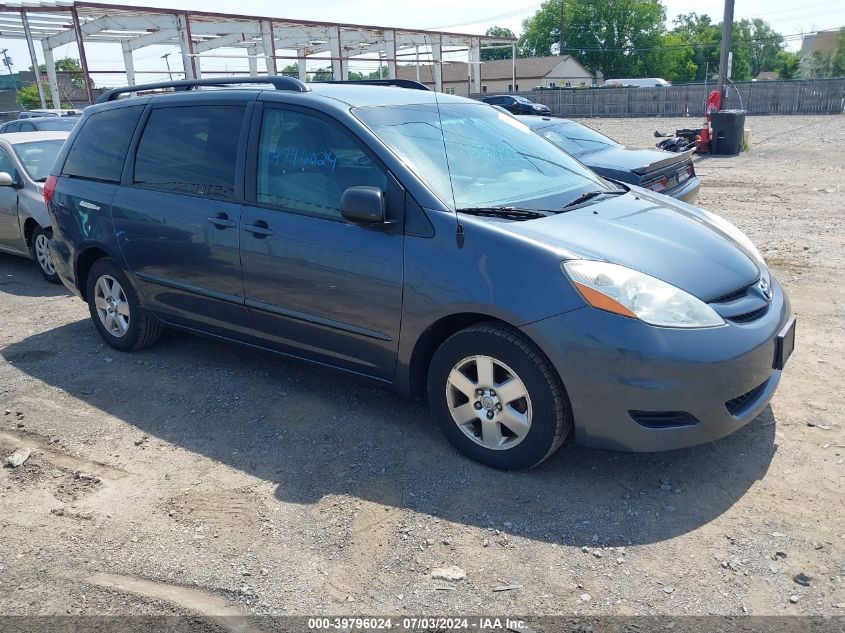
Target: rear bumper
612,366
687,191
63,261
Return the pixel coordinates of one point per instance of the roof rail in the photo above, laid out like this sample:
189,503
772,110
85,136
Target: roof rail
397,83
278,82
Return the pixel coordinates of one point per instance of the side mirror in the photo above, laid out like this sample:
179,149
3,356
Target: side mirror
363,205
6,179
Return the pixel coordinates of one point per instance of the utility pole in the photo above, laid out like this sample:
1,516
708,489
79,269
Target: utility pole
167,61
727,41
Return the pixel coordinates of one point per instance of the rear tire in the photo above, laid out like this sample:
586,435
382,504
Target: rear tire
116,309
39,246
497,398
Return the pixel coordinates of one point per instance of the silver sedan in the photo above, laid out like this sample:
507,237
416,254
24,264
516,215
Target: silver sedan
25,163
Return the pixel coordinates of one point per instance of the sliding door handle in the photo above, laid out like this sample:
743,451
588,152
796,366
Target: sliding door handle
222,222
259,229
89,205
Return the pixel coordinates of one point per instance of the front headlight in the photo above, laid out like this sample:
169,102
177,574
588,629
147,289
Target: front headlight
634,294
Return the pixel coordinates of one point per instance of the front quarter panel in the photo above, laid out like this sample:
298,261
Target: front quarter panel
494,273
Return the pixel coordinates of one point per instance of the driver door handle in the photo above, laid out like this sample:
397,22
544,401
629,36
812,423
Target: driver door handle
259,229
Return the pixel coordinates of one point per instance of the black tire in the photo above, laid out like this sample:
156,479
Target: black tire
551,421
142,329
45,261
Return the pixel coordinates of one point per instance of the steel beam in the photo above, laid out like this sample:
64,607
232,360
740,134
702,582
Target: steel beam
83,59
31,46
52,79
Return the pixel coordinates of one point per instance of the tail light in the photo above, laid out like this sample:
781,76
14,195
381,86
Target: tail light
49,188
659,185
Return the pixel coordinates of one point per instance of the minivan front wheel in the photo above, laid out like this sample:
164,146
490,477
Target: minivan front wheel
115,309
497,398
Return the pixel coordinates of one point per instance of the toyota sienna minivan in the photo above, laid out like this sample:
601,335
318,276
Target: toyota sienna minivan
426,242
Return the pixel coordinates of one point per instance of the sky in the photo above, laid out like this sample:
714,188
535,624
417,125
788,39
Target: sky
465,16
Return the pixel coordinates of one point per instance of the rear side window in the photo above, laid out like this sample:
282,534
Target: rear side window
190,150
100,147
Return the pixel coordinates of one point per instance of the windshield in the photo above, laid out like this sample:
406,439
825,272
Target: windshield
472,155
522,100
577,139
37,157
59,124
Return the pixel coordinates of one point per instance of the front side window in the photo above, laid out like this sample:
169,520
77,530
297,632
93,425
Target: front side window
471,155
37,157
191,150
577,139
6,164
99,150
305,163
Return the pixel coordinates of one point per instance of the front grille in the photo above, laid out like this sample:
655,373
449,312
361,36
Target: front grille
748,317
732,296
737,405
663,419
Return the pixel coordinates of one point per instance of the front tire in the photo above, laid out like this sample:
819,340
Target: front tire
116,310
497,398
39,247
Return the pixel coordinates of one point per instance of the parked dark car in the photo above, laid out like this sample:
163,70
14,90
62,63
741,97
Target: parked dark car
40,124
517,105
429,243
671,173
25,163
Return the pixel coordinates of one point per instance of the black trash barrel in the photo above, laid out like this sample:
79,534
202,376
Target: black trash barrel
728,128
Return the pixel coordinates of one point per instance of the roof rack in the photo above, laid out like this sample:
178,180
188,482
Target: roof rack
397,83
278,82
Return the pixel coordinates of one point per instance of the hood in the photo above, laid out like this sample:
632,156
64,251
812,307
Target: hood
670,240
639,161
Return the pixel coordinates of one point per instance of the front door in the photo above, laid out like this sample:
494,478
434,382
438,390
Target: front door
10,228
316,285
177,219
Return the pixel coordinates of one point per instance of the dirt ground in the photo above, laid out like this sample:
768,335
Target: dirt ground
201,478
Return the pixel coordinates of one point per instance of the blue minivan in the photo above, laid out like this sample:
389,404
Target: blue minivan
424,241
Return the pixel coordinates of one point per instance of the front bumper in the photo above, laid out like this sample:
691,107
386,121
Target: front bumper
611,366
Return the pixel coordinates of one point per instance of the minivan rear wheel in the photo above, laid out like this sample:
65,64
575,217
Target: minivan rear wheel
497,398
116,310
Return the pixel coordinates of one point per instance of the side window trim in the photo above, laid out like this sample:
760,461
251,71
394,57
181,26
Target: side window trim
126,179
395,192
14,172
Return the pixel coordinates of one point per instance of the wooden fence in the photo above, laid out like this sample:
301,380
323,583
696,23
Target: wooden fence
806,96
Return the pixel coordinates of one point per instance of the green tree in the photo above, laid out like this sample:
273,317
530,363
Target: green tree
704,38
674,60
68,64
291,70
604,35
767,44
505,52
28,95
788,65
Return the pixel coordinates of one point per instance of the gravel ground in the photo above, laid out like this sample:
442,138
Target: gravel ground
201,478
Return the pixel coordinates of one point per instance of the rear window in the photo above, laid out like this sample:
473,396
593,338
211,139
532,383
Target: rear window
100,147
60,124
37,157
190,150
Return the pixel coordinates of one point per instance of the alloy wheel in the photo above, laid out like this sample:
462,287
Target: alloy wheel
489,402
42,253
112,306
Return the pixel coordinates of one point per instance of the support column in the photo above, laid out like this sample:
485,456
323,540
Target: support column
31,45
186,46
417,52
128,64
269,45
51,74
83,58
334,50
252,60
390,50
475,53
301,58
436,60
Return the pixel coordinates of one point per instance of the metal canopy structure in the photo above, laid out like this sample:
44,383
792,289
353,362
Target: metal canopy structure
197,33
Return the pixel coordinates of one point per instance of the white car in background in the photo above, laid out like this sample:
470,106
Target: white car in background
25,162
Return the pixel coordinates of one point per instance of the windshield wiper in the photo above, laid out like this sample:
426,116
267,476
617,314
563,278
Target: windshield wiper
589,195
511,213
